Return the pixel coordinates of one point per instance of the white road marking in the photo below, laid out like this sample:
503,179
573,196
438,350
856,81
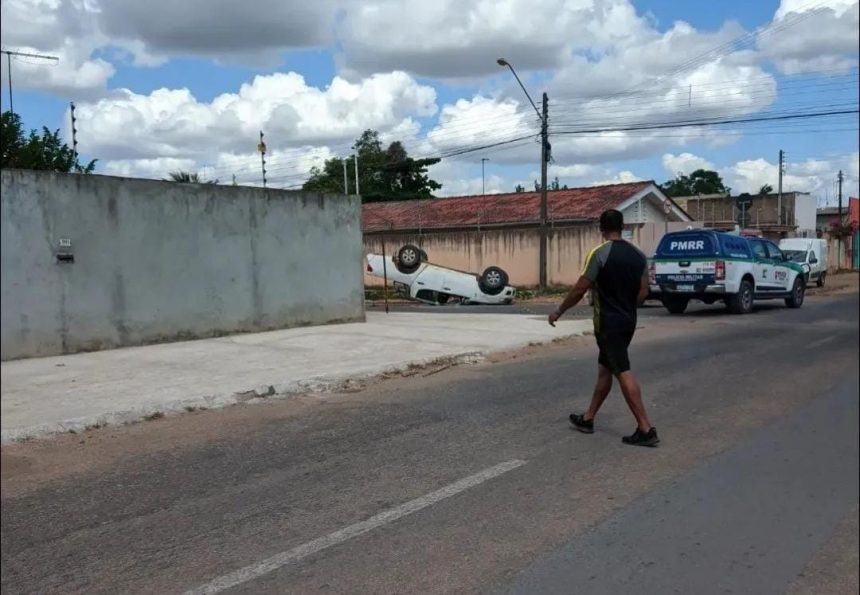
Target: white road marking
268,565
820,342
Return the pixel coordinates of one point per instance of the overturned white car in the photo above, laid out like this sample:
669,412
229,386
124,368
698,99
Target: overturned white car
420,280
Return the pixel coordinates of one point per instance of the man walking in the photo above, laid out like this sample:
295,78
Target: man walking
616,273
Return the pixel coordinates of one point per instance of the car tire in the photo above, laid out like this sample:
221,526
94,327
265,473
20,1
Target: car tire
409,258
442,298
676,305
798,291
820,281
742,301
493,281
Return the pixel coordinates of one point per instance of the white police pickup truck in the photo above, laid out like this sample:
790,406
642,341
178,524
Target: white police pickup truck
422,281
711,266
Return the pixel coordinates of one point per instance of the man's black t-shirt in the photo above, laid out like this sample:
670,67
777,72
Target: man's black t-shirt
615,268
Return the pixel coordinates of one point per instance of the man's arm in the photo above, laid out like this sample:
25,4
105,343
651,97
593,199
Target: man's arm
573,297
586,281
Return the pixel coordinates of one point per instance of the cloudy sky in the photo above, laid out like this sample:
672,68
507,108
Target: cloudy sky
167,84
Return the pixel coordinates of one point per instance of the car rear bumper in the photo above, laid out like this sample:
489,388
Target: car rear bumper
703,290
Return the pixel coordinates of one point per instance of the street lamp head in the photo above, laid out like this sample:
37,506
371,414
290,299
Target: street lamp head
502,62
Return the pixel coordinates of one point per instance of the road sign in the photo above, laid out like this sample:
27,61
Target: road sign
744,201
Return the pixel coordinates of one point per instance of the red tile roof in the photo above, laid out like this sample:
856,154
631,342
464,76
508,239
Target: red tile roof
576,204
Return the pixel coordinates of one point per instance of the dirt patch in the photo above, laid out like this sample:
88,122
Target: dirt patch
26,465
838,284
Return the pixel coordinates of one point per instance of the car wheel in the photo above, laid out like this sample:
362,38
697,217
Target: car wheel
742,301
676,305
442,298
820,282
408,259
795,300
493,280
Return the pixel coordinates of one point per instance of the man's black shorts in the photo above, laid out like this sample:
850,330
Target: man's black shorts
613,344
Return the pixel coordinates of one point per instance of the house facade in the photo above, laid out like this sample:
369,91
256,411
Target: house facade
791,215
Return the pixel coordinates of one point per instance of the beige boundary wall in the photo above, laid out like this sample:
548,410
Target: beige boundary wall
515,249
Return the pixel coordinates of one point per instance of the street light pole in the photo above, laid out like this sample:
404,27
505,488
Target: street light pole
544,152
9,54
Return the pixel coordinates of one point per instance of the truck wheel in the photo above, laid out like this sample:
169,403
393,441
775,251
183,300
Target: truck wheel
676,305
795,300
408,259
742,301
493,280
820,282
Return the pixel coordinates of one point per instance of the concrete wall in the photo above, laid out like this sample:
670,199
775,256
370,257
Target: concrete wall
839,253
804,213
158,261
516,250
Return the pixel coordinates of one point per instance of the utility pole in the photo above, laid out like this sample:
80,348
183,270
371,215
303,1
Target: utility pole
839,179
74,133
9,55
483,183
544,141
544,151
262,148
356,174
839,254
345,179
779,188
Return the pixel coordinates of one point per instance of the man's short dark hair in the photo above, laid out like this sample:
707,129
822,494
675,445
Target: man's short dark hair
611,221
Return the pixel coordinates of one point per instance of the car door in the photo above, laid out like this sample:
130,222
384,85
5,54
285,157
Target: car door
762,267
782,273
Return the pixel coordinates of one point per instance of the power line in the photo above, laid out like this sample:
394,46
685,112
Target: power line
713,122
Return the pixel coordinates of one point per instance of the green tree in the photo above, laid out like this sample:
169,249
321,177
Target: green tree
519,188
45,151
701,181
766,189
383,174
185,177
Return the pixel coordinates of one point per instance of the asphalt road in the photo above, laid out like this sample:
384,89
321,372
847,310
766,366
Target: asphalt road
469,480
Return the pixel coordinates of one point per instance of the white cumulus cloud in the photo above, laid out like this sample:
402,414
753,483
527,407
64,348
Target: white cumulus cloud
173,123
684,163
809,37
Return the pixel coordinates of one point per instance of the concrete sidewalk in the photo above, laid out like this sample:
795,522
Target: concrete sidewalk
58,394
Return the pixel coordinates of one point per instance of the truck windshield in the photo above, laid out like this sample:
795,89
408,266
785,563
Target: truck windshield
795,255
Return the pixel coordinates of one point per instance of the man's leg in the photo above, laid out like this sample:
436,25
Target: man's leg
585,422
619,360
633,396
601,391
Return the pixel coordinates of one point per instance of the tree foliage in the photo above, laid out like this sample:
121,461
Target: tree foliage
701,181
383,174
553,185
45,151
764,190
185,177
